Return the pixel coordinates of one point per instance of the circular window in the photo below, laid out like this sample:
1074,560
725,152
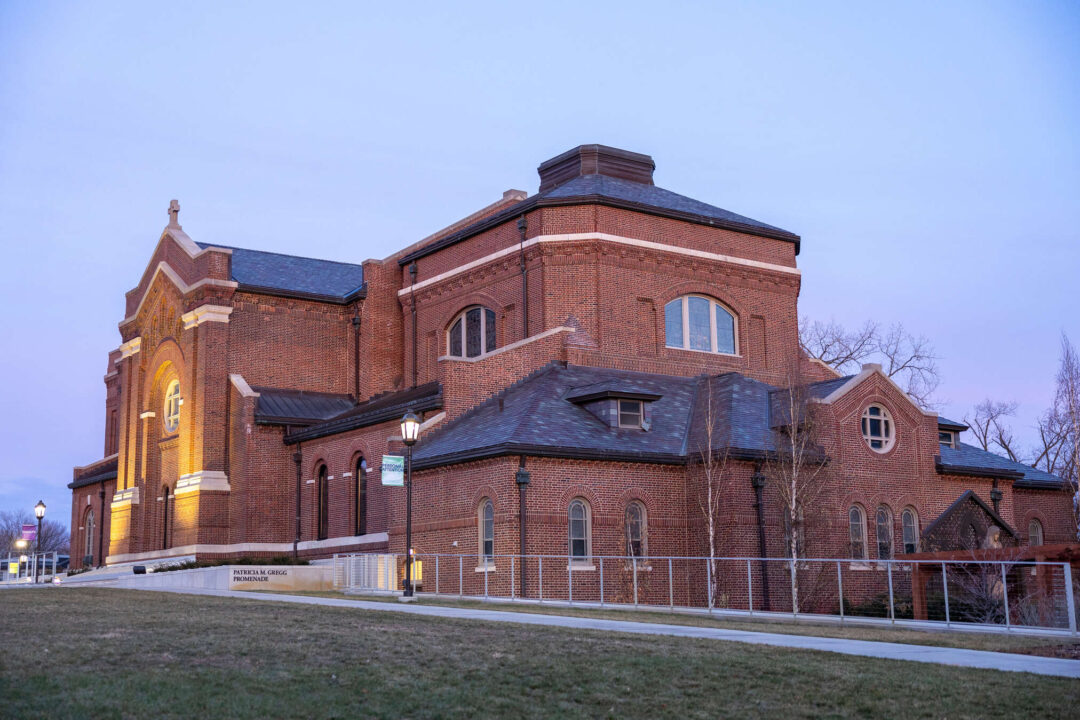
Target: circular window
172,406
877,428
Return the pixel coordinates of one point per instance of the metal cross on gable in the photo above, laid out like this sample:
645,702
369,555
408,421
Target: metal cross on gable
174,212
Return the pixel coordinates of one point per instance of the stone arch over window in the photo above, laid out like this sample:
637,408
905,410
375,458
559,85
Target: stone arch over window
472,333
883,522
857,532
89,533
322,502
701,322
167,362
579,516
637,530
909,522
485,521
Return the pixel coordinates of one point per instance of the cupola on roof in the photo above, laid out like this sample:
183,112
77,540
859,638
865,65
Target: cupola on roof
595,160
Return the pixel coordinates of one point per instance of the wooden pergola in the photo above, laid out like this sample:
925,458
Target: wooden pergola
924,570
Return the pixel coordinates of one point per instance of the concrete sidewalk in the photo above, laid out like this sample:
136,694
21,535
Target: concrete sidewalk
1010,662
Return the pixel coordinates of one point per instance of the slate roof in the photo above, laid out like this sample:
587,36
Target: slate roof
616,192
656,197
967,459
535,416
276,406
101,470
290,274
378,409
948,424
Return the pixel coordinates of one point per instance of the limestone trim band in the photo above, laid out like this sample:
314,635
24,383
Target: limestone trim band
202,481
165,269
507,348
206,313
241,386
131,347
126,497
607,237
284,547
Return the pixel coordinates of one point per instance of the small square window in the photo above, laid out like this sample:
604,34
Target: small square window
945,438
630,413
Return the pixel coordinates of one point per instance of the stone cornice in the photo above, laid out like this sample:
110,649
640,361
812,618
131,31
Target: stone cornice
165,269
206,313
131,347
202,481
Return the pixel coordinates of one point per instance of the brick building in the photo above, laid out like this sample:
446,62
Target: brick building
574,354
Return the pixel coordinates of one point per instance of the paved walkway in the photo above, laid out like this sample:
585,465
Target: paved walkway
867,648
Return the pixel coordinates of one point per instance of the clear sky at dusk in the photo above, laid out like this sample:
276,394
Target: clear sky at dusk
928,155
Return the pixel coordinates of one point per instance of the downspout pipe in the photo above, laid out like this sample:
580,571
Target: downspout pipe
356,353
758,480
522,478
522,226
415,359
298,458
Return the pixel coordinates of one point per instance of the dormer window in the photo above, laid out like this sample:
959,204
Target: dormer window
472,333
631,413
877,428
947,438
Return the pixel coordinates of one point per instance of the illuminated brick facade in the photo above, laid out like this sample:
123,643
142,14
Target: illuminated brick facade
294,372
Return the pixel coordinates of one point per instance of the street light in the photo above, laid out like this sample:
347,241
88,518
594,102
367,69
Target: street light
410,433
20,545
39,511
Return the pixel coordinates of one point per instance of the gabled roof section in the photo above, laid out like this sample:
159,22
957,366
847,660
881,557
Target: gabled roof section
973,461
535,417
298,407
842,386
278,274
378,409
968,496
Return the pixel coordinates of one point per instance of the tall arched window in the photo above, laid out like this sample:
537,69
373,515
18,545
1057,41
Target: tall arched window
165,517
696,322
171,417
361,496
857,532
636,533
884,533
486,521
1035,533
472,333
910,522
89,532
579,529
323,501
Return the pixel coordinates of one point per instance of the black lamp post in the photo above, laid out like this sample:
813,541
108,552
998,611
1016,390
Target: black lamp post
410,432
39,511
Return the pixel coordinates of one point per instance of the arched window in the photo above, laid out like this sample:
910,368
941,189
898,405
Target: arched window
361,496
1035,533
636,537
89,531
472,333
165,517
857,532
486,521
884,533
323,501
877,428
910,522
696,322
172,407
579,529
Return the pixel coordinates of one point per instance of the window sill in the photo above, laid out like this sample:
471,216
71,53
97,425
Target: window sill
581,566
484,568
704,352
641,567
859,565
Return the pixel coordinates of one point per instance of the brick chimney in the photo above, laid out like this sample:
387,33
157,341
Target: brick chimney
595,160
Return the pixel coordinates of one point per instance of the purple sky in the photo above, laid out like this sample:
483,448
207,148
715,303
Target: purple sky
929,156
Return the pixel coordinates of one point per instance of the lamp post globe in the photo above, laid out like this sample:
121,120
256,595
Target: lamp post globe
410,433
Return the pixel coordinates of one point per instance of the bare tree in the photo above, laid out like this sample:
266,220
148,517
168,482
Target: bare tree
714,474
991,429
1066,414
54,535
795,467
910,360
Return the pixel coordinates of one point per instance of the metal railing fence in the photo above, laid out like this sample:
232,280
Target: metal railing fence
972,594
40,566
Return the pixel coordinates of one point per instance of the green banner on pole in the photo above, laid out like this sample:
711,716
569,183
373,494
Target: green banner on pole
393,470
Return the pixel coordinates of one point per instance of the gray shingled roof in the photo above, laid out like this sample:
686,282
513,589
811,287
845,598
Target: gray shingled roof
276,406
946,423
258,269
967,459
651,195
535,416
378,409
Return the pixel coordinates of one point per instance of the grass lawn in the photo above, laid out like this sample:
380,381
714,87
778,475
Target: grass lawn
107,653
1025,644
